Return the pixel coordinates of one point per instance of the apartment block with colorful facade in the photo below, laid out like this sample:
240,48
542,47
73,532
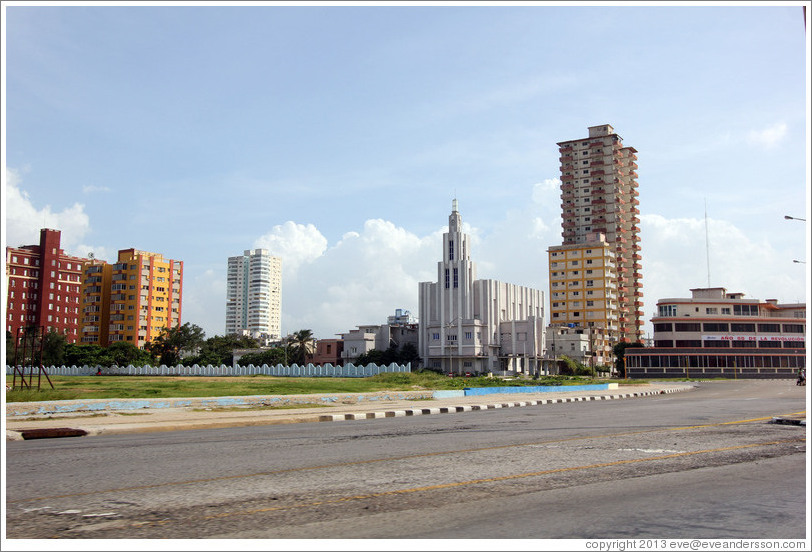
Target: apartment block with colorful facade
43,284
132,300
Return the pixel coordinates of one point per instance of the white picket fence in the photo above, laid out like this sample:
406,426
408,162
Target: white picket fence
309,371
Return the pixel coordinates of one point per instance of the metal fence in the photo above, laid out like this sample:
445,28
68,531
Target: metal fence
308,371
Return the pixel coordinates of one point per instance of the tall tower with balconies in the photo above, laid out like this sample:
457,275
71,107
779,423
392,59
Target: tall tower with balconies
254,295
599,196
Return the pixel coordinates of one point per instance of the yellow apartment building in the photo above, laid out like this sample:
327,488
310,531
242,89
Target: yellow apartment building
583,291
132,300
95,294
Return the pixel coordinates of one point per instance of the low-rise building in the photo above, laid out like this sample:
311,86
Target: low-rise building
328,351
719,334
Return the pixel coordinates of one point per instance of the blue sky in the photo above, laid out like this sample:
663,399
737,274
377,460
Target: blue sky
337,137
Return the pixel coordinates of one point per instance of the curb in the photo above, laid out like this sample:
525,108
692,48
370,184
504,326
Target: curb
18,435
486,406
789,421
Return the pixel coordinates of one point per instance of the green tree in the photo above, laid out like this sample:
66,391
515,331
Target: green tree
302,347
619,351
271,357
219,350
85,355
122,353
408,353
53,348
373,356
171,342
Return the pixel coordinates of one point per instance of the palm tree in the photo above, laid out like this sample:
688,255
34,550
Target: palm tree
303,346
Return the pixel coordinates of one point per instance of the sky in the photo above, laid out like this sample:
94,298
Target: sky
338,136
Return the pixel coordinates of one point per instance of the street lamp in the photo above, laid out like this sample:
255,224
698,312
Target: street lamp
793,218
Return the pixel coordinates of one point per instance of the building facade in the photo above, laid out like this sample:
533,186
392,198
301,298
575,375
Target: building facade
477,326
599,195
583,293
328,351
133,300
254,295
719,334
43,285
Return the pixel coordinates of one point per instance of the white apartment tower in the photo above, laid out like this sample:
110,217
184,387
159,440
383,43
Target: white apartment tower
254,295
477,326
599,196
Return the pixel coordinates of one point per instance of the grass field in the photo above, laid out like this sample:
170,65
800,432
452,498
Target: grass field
143,387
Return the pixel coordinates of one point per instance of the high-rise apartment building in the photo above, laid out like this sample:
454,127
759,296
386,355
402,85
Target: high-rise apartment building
599,196
43,287
133,300
254,295
583,292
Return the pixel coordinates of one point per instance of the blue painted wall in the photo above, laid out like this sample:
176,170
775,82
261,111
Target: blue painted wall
538,389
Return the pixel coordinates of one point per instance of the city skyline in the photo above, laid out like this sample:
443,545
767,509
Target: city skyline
337,137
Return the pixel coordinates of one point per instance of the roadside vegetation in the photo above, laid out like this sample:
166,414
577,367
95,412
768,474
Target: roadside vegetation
142,387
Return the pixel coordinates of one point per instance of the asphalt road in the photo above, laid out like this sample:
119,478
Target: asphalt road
699,464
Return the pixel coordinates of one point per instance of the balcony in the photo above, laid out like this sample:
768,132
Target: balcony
597,192
599,201
566,177
637,275
596,145
564,148
596,163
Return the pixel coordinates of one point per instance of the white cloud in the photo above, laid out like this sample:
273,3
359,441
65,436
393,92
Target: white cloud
769,137
360,280
675,260
296,244
24,220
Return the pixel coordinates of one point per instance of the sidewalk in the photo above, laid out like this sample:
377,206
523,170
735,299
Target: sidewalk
104,417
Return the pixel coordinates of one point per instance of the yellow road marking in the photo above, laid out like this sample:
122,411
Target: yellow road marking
392,459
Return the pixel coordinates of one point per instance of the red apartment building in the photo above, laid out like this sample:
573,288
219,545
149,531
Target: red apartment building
43,286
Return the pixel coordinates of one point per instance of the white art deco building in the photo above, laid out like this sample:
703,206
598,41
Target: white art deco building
254,295
477,326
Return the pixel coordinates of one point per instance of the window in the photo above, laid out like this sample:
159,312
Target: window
456,278
451,250
667,310
715,327
745,310
725,310
771,328
740,327
663,327
687,327
711,310
446,278
793,328
468,335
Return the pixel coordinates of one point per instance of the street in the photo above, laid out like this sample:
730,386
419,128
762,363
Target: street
706,463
